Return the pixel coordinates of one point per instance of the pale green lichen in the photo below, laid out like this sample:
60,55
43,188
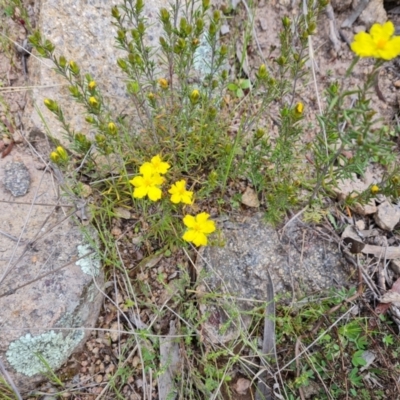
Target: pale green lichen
25,353
203,58
90,265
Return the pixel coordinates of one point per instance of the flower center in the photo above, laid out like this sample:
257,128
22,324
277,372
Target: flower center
148,182
381,43
197,228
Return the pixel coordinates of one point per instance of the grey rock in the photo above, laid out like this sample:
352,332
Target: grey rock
387,216
374,13
298,264
224,29
263,23
47,294
17,178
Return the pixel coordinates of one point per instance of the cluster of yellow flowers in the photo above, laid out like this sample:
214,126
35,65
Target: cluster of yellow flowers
149,182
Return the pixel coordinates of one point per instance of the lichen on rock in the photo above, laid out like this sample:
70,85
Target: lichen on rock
25,354
90,265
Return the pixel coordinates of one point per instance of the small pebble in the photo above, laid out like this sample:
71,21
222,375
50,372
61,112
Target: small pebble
17,179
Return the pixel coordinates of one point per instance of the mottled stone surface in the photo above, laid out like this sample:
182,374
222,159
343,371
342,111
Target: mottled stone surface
82,31
47,295
17,178
299,263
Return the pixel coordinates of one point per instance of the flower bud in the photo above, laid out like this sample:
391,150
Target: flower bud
122,64
194,96
100,139
112,128
206,5
121,34
259,133
299,109
139,6
93,102
141,28
115,12
374,189
286,21
73,66
281,60
262,72
163,43
51,105
133,87
54,156
163,83
223,50
199,26
80,138
49,46
62,153
62,61
216,16
164,15
74,90
212,30
92,85
90,119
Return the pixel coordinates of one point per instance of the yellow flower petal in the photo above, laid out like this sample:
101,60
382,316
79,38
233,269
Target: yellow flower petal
189,221
175,198
200,239
189,235
137,181
208,227
186,198
202,217
147,169
140,192
363,45
154,193
159,166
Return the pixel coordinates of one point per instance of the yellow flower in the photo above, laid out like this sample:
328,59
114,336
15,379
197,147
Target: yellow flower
163,83
374,189
147,185
92,85
180,194
93,101
378,43
156,165
199,227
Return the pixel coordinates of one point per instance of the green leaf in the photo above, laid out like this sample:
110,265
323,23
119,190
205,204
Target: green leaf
388,340
358,360
239,93
232,86
245,84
